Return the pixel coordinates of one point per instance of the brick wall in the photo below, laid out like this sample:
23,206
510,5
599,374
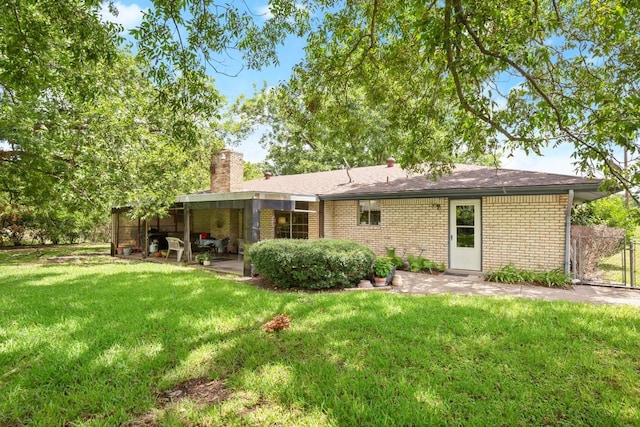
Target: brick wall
528,231
267,224
227,171
405,224
314,220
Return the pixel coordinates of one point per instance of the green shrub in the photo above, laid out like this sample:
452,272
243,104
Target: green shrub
395,259
312,264
419,263
511,274
382,266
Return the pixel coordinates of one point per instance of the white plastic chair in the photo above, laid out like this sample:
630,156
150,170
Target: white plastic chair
177,245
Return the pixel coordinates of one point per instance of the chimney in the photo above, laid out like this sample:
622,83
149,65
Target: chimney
267,175
391,162
227,171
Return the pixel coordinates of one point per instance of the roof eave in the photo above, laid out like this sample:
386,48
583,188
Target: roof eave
244,195
586,192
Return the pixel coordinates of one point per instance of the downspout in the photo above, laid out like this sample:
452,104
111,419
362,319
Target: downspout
567,238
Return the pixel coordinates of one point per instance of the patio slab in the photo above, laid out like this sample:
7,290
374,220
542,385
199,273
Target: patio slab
419,283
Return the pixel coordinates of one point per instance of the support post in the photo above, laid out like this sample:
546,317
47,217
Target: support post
187,233
145,239
251,232
567,233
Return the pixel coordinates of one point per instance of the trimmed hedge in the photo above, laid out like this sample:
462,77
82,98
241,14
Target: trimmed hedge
312,264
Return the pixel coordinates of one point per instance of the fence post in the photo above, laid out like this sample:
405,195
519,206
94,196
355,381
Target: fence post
580,267
624,262
632,263
574,259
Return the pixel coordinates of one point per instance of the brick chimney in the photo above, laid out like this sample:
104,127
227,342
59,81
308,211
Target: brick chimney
227,171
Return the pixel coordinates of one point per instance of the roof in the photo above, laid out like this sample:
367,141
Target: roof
394,182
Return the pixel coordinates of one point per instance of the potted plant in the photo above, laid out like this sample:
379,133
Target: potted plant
382,269
204,258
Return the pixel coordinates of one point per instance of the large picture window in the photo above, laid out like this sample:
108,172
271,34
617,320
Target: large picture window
292,225
369,212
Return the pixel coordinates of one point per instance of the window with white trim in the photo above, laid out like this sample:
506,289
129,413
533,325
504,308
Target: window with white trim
369,212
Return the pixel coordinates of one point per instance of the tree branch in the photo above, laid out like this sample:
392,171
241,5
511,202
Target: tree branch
613,168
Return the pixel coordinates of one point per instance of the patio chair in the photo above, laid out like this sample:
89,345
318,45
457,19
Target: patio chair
222,245
177,245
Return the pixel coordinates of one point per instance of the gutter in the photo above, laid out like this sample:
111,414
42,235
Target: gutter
462,192
567,237
243,195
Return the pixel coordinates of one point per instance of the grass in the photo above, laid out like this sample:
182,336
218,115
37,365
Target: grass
116,343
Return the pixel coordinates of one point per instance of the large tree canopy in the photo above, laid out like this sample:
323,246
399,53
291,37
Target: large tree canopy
431,80
425,81
83,128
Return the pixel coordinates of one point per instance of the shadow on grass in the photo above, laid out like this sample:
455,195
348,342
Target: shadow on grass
98,344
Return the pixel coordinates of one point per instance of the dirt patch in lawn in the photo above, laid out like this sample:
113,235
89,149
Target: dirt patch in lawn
198,390
202,392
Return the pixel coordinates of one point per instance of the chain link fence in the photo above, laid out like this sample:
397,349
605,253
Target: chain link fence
603,256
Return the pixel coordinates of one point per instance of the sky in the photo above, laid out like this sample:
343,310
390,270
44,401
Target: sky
554,160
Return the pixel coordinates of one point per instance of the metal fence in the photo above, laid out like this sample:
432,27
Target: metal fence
599,260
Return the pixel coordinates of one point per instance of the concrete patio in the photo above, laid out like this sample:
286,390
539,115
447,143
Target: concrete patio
457,284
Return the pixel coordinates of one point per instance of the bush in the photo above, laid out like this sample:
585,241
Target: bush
419,263
395,259
312,264
608,211
511,274
382,266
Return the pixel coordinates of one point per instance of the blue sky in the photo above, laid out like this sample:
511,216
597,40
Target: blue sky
556,160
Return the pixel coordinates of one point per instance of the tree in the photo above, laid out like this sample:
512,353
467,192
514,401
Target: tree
255,170
426,81
82,129
311,129
77,152
517,74
609,211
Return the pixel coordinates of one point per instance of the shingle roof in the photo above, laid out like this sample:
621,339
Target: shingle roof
390,181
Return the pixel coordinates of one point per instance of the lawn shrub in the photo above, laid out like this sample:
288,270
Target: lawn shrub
511,274
413,263
312,264
420,263
396,259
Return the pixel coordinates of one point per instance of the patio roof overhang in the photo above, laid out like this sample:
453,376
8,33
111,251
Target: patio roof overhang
238,199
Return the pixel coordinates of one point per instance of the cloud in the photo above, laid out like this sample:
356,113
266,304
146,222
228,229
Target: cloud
553,160
265,11
129,16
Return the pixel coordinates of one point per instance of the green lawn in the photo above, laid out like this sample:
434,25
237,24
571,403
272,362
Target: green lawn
94,341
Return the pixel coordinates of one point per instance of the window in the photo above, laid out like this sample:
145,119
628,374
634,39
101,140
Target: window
369,212
291,225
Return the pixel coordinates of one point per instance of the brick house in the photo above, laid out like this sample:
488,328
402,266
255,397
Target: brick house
476,218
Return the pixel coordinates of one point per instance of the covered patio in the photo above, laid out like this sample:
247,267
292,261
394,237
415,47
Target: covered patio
234,218
225,264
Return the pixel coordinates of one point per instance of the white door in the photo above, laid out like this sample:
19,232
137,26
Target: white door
464,235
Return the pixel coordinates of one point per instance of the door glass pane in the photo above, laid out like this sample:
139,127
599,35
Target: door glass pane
465,231
465,215
465,237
